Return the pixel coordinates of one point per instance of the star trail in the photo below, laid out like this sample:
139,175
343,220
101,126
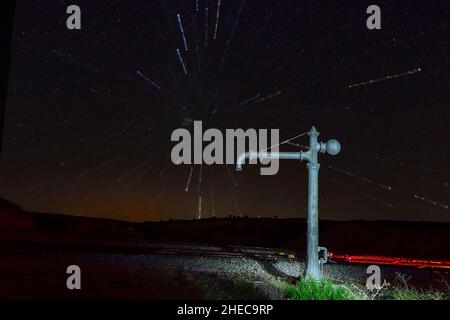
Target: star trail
90,112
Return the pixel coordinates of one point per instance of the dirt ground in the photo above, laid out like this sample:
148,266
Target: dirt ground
41,274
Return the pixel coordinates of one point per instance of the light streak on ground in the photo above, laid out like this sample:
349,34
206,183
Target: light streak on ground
390,77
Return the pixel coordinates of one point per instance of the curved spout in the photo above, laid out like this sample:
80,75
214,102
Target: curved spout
241,159
267,155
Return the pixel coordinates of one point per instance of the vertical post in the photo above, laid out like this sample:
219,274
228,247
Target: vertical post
312,254
332,147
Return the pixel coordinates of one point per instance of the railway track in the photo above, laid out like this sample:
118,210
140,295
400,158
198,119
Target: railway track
158,248
129,246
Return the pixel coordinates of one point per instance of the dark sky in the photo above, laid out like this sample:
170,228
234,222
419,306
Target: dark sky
86,134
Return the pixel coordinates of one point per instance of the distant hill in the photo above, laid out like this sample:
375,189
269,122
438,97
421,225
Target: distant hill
392,238
13,217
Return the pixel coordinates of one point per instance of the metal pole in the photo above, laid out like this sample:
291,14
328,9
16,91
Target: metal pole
332,147
312,253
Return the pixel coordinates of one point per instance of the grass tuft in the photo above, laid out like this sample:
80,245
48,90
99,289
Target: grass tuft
310,289
402,291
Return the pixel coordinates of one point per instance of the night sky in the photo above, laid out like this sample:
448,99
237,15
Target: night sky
90,112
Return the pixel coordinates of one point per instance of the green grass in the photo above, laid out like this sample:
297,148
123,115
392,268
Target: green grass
414,294
309,289
325,290
402,291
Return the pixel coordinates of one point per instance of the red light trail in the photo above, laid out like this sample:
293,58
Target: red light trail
397,261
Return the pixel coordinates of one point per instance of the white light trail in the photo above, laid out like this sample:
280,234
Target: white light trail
189,180
250,99
143,76
364,179
109,95
231,176
130,173
297,145
182,32
270,96
181,61
206,26
199,207
286,141
81,64
441,205
399,75
367,195
217,19
420,167
101,166
200,174
227,45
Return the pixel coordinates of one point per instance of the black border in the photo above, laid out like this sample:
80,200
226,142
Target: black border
153,309
282,309
7,12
